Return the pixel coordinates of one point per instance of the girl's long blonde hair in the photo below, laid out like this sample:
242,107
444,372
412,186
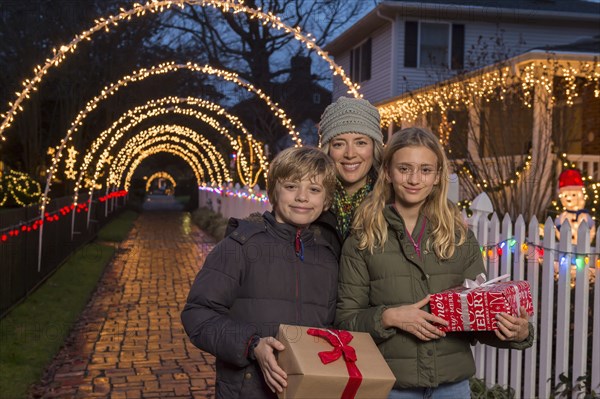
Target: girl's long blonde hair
369,223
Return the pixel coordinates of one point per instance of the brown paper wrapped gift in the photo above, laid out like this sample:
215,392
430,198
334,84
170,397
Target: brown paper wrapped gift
309,377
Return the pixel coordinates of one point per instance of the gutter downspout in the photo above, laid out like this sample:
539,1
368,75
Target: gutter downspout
393,64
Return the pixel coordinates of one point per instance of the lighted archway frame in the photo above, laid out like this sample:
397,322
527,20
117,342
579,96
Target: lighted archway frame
104,157
178,134
157,107
159,6
174,149
160,175
156,70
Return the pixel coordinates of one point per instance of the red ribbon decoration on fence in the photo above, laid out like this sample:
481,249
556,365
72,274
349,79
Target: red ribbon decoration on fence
340,340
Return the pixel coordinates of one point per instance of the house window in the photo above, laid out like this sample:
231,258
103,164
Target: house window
434,45
360,62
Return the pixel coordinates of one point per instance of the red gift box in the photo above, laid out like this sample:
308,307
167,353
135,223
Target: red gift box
475,309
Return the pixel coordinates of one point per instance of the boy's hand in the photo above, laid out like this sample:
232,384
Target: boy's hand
511,328
274,375
412,319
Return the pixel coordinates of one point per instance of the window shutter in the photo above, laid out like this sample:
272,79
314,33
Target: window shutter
411,35
458,46
365,66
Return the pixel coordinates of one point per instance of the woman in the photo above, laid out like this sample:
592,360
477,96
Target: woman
351,135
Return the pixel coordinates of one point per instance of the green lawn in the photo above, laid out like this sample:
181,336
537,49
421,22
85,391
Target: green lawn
117,230
34,331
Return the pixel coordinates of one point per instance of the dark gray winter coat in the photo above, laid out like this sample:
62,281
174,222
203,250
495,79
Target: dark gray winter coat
250,283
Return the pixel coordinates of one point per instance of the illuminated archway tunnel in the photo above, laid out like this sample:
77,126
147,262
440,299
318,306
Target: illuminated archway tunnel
166,147
160,175
214,163
158,6
165,106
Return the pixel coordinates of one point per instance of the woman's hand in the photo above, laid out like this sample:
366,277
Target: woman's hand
264,353
412,319
511,328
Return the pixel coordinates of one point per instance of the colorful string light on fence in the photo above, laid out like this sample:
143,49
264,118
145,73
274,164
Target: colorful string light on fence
534,251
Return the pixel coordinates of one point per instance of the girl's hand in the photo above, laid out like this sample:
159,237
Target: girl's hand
264,353
511,328
412,319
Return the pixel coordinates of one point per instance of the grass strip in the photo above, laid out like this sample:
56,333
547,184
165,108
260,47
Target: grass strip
32,334
117,229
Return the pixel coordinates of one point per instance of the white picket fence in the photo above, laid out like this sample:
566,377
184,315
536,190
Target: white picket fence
531,373
234,202
557,272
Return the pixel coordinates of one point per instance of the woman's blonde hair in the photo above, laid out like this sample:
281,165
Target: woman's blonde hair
369,223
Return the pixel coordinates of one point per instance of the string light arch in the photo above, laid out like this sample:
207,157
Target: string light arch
158,6
160,175
163,68
215,164
152,109
205,170
173,148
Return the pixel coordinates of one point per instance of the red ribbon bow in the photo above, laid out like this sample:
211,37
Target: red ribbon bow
340,340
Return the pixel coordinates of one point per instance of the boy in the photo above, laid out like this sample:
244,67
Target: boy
278,270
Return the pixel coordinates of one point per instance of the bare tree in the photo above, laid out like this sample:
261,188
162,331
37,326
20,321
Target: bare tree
257,52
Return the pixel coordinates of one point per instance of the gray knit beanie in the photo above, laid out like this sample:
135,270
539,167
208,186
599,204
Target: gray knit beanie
350,115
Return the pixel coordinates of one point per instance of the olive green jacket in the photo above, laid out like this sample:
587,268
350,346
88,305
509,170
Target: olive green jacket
395,276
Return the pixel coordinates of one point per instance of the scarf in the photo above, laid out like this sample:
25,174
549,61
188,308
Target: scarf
344,205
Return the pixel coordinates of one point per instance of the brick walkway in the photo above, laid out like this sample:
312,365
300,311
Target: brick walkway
129,342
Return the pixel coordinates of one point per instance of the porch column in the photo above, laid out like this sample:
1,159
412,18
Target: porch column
537,180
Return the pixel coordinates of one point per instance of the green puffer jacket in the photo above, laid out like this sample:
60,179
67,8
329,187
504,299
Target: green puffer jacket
371,283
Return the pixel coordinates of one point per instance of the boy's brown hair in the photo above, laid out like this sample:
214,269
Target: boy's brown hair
296,163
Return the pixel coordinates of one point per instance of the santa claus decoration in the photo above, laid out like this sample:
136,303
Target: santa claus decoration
571,194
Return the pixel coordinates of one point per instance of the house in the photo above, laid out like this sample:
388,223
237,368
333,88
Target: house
403,45
303,100
504,107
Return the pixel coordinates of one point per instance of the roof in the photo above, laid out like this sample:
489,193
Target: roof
574,6
584,45
576,12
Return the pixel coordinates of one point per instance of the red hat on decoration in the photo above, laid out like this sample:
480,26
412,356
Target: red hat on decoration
570,178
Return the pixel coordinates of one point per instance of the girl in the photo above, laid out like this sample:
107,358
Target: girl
409,241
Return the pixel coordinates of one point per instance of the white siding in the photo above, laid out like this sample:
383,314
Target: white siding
517,39
378,87
339,88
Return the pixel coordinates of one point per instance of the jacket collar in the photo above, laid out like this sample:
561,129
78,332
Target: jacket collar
284,230
396,221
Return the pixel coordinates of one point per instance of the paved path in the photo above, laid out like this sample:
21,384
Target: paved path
129,342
